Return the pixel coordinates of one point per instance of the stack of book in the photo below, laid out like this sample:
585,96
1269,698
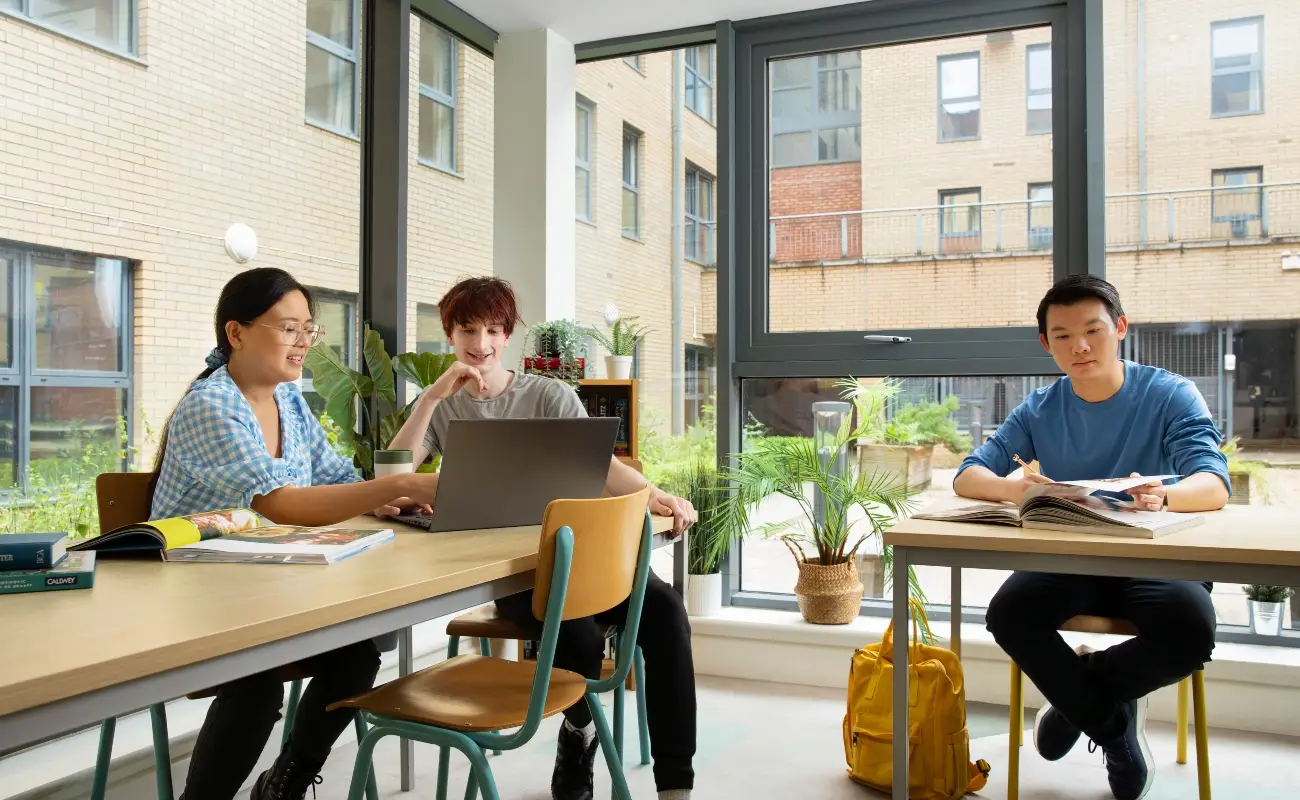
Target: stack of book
38,562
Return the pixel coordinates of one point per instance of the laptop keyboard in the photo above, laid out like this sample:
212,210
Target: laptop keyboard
416,520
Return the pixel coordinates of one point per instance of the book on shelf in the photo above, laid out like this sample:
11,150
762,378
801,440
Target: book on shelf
620,439
31,550
236,535
75,571
1074,506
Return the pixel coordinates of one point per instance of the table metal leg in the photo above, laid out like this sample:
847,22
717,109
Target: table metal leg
405,666
901,740
679,564
956,611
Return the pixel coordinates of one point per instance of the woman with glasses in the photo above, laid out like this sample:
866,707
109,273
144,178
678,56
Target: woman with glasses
243,437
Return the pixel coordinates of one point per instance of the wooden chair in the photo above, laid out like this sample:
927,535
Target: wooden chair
593,555
1119,627
124,498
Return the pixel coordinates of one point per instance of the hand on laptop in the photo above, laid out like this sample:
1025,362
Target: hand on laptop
403,505
680,509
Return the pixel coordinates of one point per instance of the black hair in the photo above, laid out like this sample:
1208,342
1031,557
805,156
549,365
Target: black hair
244,298
1075,289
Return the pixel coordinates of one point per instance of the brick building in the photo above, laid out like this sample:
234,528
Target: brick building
132,136
911,188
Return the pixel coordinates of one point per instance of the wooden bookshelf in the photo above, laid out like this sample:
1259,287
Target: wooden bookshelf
603,398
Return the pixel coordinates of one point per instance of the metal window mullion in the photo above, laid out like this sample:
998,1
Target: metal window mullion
330,46
77,381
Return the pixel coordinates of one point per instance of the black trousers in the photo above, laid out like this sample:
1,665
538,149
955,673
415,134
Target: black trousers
665,639
244,711
1175,622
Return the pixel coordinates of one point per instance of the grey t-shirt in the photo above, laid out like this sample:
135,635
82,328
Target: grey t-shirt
527,397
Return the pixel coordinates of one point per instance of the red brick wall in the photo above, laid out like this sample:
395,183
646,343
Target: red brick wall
817,189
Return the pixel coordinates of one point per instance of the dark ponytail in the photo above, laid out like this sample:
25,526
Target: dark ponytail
245,297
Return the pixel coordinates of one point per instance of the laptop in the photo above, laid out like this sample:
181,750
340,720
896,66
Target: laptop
502,473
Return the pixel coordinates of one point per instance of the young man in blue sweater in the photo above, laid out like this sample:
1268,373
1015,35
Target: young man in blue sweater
1106,418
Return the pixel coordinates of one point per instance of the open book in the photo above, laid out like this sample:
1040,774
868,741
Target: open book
236,535
1073,506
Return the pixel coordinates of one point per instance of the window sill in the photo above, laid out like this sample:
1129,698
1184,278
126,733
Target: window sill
589,223
438,168
636,239
128,57
329,129
963,139
705,119
1232,114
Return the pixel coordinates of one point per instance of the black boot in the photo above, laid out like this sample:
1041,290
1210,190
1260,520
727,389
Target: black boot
288,778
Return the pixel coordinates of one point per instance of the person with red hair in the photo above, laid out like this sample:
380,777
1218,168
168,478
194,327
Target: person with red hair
479,316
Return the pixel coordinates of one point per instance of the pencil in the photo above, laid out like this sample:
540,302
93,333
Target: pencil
1028,468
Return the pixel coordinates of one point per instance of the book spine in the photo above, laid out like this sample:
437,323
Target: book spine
25,555
620,439
18,584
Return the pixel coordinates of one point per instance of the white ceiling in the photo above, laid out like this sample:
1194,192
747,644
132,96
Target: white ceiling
581,21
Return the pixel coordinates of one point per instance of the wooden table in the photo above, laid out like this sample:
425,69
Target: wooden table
1240,544
148,631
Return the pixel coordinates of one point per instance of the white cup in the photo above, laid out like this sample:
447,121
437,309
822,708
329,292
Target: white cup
393,462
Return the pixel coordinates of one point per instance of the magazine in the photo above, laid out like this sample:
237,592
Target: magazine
236,535
1073,506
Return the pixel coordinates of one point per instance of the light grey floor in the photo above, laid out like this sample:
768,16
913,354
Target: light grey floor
759,740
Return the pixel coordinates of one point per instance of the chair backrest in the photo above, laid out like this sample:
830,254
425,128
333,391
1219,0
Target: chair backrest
607,535
124,498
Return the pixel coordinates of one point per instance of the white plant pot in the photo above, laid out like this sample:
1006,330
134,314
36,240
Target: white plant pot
618,368
1266,618
704,594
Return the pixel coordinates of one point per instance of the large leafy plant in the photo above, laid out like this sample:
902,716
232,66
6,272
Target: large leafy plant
790,467
709,540
622,338
913,424
374,392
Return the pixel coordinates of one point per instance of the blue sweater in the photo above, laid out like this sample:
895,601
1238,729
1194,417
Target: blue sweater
1156,424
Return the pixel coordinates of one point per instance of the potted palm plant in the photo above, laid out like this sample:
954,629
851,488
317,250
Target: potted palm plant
825,536
621,341
1266,604
708,540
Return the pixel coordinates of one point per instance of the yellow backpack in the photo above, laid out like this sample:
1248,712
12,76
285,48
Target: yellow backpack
939,757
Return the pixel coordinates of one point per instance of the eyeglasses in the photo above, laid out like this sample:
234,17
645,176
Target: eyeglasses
295,331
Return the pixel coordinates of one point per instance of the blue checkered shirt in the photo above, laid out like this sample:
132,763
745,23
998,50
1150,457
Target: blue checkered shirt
216,457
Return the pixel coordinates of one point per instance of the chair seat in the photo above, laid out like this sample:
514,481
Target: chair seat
488,623
286,673
1088,624
469,693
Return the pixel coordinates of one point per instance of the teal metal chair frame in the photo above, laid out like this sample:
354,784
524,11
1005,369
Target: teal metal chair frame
162,759
473,744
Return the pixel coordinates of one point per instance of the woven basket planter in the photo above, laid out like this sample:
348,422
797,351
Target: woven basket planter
828,595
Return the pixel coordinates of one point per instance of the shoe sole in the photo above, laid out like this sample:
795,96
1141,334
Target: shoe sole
1145,747
1039,718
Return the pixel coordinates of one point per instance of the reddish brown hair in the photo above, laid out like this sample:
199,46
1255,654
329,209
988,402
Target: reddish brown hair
490,301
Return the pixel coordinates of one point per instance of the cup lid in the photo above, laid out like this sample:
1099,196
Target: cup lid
393,456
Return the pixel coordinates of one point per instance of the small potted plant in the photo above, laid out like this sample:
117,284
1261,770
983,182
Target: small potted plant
708,540
621,341
557,349
902,444
1266,604
823,539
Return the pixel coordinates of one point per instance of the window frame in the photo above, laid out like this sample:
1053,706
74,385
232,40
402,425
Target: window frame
131,50
1215,190
1031,92
978,97
1257,65
441,346
352,55
706,256
818,121
633,137
704,53
24,375
587,166
636,62
437,96
974,210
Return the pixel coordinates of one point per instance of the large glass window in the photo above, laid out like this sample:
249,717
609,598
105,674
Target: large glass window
631,183
1237,67
1038,88
959,97
337,313
584,144
64,364
429,335
699,80
816,109
332,28
437,97
699,216
109,24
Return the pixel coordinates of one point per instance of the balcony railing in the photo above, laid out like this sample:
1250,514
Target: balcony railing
1133,219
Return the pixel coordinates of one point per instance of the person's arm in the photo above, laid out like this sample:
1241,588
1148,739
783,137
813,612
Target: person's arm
416,434
1192,441
212,438
981,475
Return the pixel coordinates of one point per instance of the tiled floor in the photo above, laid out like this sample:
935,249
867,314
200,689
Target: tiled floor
761,740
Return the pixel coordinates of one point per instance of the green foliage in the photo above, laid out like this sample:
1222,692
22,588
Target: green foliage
344,390
622,338
708,541
914,424
1254,470
561,339
1262,593
667,459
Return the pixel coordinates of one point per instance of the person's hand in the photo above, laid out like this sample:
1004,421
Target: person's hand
453,380
1150,497
1016,487
403,505
666,505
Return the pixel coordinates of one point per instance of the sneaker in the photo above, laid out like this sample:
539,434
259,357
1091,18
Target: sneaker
575,766
1054,735
1128,756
